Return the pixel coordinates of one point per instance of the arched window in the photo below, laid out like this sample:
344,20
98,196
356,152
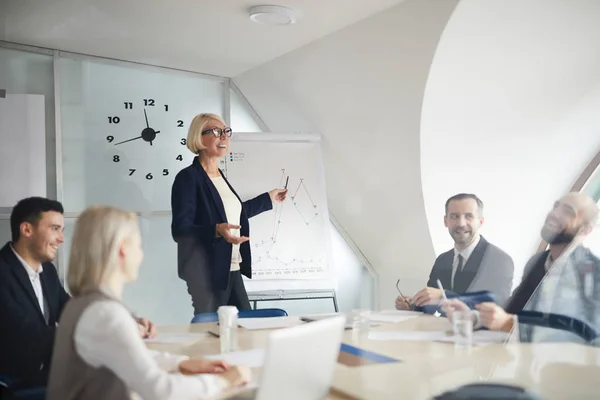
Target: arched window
588,182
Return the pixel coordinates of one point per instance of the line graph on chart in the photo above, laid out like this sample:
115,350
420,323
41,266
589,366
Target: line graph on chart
290,241
269,259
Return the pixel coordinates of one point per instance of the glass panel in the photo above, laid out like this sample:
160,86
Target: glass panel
124,128
5,234
30,73
355,283
592,186
158,293
241,116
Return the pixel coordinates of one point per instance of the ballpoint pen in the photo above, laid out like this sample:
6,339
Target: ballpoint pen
442,289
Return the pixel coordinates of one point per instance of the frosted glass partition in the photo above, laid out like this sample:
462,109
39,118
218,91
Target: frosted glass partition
5,234
158,293
124,130
31,73
241,115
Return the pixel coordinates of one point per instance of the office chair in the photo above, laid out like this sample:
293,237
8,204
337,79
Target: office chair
561,322
260,313
488,391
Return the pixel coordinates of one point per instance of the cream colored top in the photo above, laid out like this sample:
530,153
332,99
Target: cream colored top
233,210
107,336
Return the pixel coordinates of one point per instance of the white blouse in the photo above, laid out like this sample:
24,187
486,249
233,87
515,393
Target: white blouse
106,335
233,211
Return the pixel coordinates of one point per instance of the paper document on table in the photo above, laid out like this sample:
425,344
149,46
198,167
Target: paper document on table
176,337
426,336
392,315
251,358
483,337
268,323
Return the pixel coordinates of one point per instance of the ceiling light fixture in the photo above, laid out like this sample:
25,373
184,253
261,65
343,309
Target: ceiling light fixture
273,15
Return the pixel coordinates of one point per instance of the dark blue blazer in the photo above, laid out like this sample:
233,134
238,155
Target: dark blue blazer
26,339
197,209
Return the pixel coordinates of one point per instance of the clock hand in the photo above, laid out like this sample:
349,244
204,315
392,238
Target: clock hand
150,135
129,140
146,116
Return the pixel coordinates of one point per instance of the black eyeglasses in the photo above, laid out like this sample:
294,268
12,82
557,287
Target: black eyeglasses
411,304
218,132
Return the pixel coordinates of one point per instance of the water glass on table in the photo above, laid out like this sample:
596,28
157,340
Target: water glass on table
462,326
228,326
359,319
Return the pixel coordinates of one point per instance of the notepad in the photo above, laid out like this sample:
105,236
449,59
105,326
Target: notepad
180,337
251,358
479,337
268,323
483,337
392,315
422,336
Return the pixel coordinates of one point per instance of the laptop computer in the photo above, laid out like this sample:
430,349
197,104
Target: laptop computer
299,362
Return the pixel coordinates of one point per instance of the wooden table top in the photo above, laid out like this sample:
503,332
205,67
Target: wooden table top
553,370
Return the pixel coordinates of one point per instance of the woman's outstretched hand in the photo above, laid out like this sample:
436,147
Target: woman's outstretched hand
223,231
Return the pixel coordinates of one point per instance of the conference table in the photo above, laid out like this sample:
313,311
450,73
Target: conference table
429,368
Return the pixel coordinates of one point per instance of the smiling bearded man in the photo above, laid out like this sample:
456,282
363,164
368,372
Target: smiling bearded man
472,265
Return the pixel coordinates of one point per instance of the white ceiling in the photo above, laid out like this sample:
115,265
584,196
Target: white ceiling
210,36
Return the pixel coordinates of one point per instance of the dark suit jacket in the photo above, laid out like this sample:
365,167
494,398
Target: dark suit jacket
487,269
26,339
533,274
197,209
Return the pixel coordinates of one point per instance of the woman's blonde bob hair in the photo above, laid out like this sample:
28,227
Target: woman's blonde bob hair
194,137
99,232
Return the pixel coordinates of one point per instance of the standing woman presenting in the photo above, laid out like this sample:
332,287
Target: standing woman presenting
210,222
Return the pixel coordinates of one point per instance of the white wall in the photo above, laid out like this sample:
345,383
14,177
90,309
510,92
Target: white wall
511,114
362,88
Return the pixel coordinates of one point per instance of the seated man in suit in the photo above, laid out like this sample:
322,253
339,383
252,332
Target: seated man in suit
472,265
31,295
570,288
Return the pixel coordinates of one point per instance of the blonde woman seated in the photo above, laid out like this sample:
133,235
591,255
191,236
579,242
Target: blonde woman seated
98,352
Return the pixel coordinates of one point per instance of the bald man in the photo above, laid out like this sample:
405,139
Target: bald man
571,219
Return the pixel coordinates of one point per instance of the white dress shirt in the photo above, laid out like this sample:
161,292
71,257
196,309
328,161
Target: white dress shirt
465,253
34,278
233,211
107,336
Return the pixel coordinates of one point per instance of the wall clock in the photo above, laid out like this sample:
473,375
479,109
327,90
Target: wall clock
141,124
124,131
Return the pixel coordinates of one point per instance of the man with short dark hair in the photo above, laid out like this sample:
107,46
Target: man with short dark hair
31,295
472,265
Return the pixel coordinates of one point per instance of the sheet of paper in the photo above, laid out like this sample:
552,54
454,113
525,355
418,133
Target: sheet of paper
251,358
177,337
268,323
425,336
392,315
482,337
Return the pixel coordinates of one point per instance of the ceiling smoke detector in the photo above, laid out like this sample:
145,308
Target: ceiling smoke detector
273,15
